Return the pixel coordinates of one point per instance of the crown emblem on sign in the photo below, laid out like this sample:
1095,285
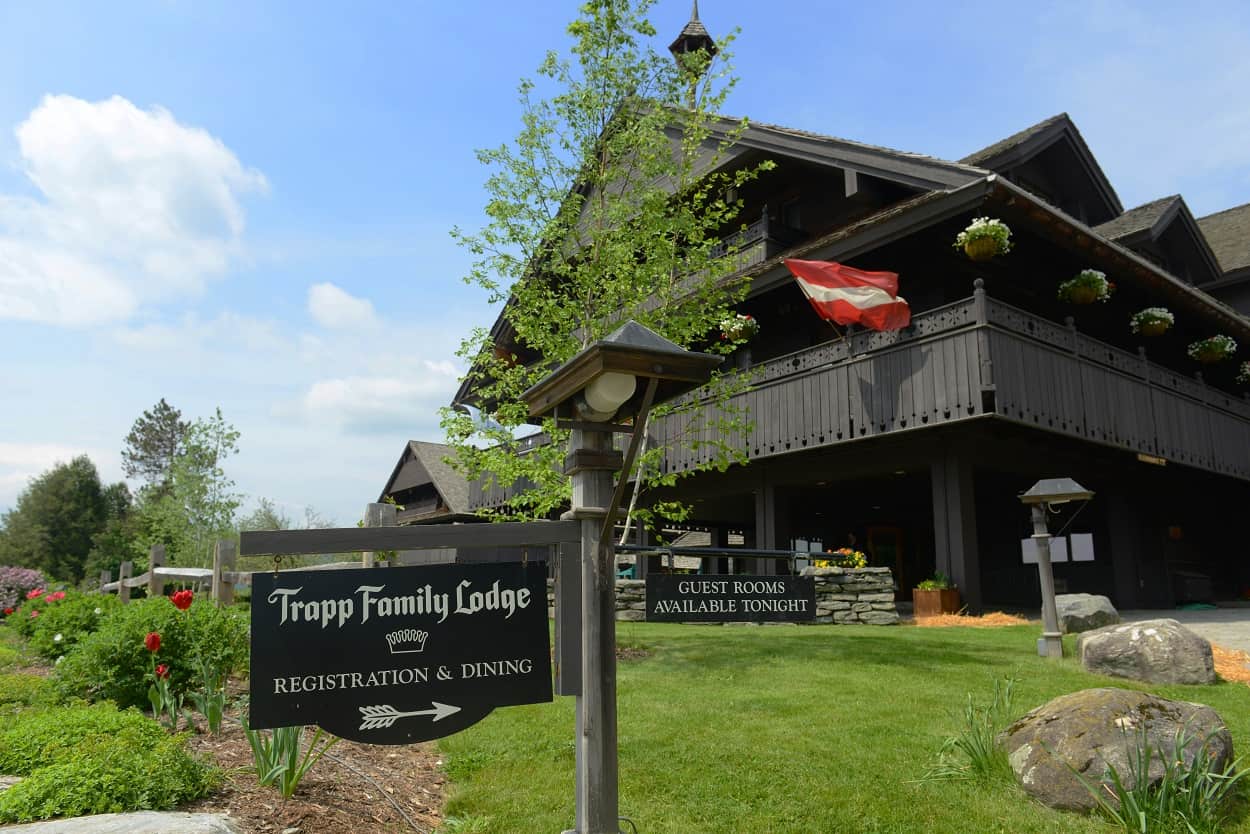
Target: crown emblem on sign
406,641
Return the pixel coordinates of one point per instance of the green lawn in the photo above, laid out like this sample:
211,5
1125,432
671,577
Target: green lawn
810,730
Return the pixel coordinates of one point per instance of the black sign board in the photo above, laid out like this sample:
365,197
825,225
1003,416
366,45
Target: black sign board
718,599
398,655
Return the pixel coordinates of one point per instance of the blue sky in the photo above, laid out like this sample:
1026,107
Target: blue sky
247,205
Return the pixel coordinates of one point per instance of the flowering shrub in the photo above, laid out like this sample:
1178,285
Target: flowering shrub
1088,285
15,583
69,616
843,557
1213,349
114,662
1159,318
739,326
986,228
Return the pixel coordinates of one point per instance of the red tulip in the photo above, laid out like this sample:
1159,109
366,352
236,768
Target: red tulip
162,671
152,642
35,594
182,600
34,613
8,611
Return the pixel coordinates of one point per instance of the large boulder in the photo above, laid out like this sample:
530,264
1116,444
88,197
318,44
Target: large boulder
1084,612
1087,731
1156,651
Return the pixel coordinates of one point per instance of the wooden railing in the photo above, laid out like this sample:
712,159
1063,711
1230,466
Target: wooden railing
972,358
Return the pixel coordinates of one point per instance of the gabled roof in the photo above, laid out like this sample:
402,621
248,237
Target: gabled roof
1152,220
1228,234
1144,218
423,462
1022,146
906,168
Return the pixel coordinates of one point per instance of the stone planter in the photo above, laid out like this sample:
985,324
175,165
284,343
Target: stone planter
935,602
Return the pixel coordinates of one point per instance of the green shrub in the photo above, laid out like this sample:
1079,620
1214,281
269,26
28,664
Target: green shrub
128,771
26,690
112,662
29,741
62,625
8,657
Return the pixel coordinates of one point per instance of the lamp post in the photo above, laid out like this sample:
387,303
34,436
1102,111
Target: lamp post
1041,496
594,394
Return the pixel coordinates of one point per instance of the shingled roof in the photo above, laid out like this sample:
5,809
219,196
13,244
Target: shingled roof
991,153
1136,220
1228,233
450,484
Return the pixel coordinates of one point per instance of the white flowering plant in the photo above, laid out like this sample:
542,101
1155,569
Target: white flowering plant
985,228
1152,320
1213,349
739,326
1243,374
1088,285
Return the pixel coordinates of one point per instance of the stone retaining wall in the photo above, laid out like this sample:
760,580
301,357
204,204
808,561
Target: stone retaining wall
843,595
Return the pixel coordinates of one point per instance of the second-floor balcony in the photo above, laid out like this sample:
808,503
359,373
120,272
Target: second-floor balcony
976,358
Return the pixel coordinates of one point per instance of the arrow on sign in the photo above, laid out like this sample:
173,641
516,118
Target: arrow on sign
384,715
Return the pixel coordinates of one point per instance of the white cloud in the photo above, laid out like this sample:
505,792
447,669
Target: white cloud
20,462
134,207
335,308
371,404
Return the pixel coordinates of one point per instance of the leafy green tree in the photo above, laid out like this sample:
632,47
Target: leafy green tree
154,442
197,504
55,519
608,205
115,543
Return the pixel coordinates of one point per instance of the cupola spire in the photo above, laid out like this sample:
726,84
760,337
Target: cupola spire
693,37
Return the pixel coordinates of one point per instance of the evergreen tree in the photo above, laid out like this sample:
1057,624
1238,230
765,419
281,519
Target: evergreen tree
154,442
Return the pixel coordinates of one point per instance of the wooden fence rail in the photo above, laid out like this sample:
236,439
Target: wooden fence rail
223,576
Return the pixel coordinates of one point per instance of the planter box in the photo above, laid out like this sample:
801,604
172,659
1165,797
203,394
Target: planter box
933,603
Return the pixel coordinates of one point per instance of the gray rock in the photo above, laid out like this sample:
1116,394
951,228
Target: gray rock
140,822
1156,651
1094,728
631,616
879,617
879,597
1084,612
7,782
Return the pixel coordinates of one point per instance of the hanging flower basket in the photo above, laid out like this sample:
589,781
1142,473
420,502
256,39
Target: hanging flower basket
1152,321
1088,286
738,327
984,238
1215,349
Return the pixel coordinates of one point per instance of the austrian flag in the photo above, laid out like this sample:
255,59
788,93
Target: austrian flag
846,295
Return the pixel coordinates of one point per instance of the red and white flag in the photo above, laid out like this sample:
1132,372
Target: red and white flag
846,295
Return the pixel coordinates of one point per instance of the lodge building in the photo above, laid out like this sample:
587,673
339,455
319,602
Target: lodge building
916,444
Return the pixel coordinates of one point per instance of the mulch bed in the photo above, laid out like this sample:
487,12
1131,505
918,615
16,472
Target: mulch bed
358,788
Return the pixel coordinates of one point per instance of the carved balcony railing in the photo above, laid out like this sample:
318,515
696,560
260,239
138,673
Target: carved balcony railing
970,359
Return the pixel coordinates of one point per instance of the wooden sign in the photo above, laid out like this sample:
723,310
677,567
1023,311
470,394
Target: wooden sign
720,599
398,655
